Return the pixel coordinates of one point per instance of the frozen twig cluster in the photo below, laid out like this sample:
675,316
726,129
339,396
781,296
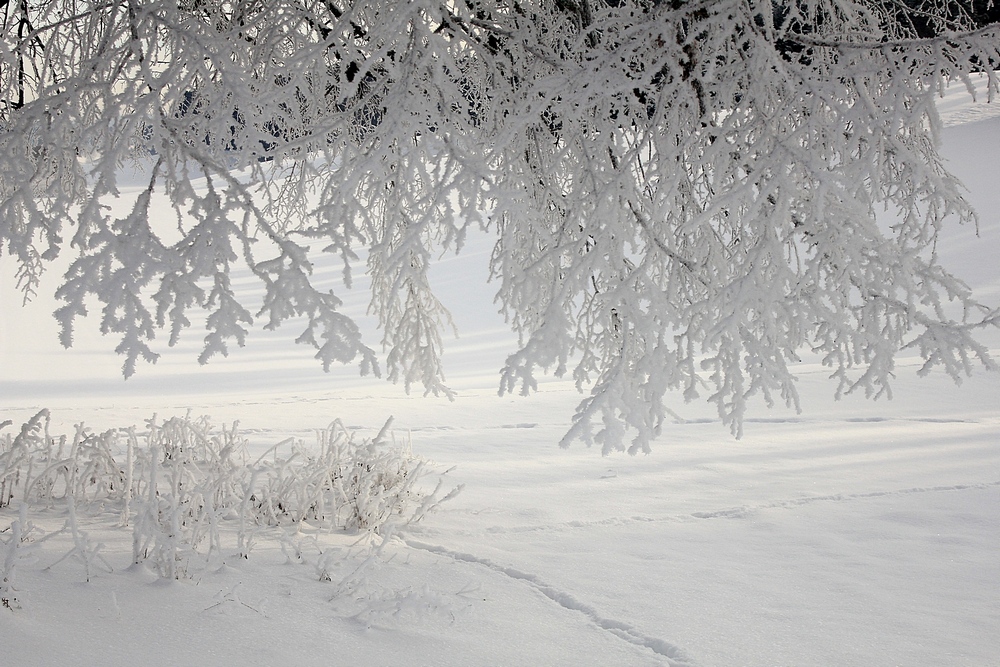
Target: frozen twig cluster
184,487
684,193
13,546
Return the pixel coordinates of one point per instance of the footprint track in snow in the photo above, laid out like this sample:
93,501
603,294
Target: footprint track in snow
675,656
739,512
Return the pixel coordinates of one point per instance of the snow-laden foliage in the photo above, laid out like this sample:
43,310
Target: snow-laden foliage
684,194
182,484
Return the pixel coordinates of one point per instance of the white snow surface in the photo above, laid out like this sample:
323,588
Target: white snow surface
856,533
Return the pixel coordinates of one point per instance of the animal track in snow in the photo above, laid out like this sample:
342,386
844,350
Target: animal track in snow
675,655
739,512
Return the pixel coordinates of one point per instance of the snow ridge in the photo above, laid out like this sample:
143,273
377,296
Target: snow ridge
675,655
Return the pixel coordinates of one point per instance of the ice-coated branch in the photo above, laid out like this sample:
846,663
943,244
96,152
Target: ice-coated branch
684,195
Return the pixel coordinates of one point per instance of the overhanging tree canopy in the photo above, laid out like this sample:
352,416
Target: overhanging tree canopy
683,193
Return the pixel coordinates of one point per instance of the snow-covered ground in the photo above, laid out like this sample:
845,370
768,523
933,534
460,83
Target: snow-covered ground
854,534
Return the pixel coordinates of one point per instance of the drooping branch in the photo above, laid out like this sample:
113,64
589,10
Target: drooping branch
684,194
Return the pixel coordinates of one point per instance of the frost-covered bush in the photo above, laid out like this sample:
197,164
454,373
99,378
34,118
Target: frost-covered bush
357,485
36,467
184,486
186,481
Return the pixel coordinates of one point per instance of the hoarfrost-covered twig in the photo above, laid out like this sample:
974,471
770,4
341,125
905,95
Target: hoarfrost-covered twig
706,179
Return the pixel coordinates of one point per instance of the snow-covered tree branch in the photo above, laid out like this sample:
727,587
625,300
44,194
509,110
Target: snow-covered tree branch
684,194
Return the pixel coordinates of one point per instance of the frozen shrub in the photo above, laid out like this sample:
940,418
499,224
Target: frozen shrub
37,468
182,485
357,485
22,455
